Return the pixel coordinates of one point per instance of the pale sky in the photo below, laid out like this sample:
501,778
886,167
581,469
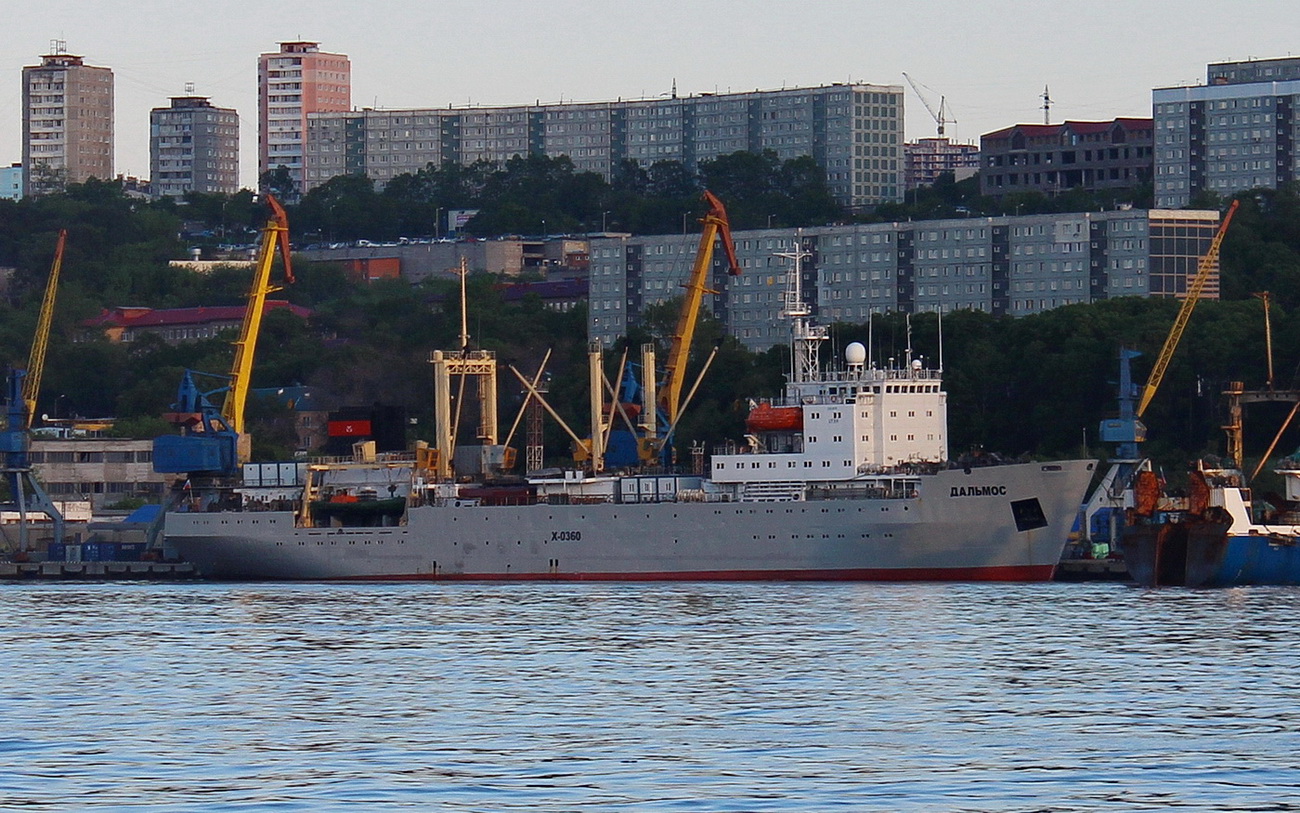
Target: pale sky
990,60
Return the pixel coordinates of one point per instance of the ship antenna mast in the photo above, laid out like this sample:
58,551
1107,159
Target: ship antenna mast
464,316
908,320
941,339
870,340
806,338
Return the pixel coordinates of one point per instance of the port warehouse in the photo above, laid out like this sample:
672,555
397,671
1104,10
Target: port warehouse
99,470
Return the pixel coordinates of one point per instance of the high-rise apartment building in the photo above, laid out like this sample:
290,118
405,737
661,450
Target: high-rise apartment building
1237,132
927,158
193,147
853,131
67,122
293,83
1002,265
1054,158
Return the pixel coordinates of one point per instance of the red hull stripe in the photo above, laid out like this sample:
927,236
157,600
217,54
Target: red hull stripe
1011,573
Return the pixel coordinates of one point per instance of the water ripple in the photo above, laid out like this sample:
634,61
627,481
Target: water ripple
698,697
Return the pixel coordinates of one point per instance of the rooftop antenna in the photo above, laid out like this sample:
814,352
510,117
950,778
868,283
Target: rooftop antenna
1047,106
674,87
58,47
189,88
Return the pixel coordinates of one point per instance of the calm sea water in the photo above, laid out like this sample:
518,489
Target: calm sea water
690,697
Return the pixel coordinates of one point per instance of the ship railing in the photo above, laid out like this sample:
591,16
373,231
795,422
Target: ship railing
877,374
773,491
732,447
574,499
380,459
899,490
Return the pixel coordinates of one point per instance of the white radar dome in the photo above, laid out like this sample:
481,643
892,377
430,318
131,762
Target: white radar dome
916,365
855,353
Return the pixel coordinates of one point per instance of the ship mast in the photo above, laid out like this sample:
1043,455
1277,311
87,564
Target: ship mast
806,337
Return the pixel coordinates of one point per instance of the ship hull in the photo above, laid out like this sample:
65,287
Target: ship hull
1000,523
1205,554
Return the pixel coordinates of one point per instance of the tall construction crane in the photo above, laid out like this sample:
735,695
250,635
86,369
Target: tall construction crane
1207,264
716,225
215,443
940,116
22,389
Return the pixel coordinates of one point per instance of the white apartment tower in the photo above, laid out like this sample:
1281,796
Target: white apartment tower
67,122
293,82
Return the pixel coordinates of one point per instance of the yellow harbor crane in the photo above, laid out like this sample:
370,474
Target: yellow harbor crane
716,225
215,443
22,388
36,358
275,235
1208,262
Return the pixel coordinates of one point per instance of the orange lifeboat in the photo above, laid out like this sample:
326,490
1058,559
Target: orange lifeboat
767,418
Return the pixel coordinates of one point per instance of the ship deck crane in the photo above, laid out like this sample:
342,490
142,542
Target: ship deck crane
215,441
22,389
940,116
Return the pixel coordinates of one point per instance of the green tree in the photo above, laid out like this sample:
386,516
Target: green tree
279,182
